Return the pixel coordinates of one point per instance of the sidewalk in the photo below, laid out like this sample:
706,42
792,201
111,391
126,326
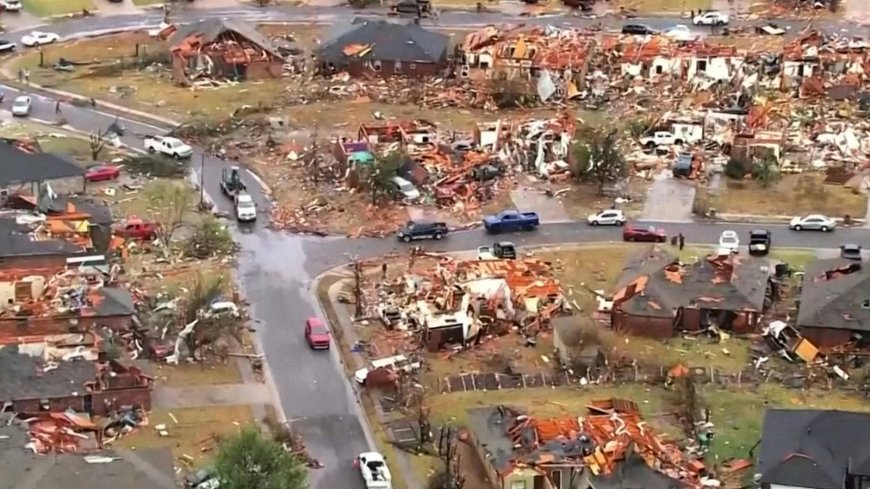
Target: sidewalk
348,336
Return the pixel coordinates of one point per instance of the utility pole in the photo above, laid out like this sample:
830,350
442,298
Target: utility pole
202,180
357,288
315,161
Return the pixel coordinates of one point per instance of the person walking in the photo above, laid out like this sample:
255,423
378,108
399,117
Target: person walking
681,240
27,76
57,107
20,75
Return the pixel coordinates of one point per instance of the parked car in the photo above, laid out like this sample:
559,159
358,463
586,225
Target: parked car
712,17
246,208
168,146
6,45
648,234
137,229
729,242
404,188
101,173
683,165
813,222
316,334
503,250
422,230
759,242
194,479
681,33
660,138
412,7
610,217
374,470
21,106
38,38
851,252
10,5
637,30
485,173
511,221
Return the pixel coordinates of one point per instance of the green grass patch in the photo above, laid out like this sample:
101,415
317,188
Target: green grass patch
738,412
797,258
47,8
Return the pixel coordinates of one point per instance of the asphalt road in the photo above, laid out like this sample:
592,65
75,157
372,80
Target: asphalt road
276,270
331,15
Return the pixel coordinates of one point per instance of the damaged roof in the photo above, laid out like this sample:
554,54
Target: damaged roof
384,41
210,30
145,468
725,283
813,448
18,166
25,377
835,294
18,240
113,301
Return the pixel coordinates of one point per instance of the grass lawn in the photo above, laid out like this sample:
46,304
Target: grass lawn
793,195
199,374
196,434
596,267
738,412
46,8
797,258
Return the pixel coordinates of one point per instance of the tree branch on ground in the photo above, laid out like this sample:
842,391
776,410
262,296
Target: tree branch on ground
156,166
170,202
210,238
600,161
249,460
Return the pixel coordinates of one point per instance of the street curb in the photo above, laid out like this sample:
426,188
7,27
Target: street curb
362,414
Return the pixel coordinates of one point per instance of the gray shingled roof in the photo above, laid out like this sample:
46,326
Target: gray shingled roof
813,448
211,29
836,303
15,240
24,379
145,468
115,301
388,41
17,166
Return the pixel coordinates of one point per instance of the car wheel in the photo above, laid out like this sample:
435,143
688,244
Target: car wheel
620,223
437,236
594,223
151,150
797,227
406,239
631,239
678,142
824,229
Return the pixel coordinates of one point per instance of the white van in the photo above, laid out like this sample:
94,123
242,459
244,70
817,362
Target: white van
397,362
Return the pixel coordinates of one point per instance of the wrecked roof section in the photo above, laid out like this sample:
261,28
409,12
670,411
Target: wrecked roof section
835,295
210,30
384,41
726,283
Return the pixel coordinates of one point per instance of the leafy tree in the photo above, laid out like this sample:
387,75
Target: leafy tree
736,169
605,163
766,172
170,201
210,238
251,461
384,170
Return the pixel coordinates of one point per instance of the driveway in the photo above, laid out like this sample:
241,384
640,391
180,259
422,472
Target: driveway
669,199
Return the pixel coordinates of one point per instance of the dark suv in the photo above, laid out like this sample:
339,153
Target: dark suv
422,230
637,30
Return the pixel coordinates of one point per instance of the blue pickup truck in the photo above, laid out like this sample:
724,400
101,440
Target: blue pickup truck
511,221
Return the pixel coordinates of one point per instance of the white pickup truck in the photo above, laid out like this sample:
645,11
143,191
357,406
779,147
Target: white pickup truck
660,138
173,147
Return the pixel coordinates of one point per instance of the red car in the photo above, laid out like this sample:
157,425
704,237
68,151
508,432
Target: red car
317,334
649,234
137,229
102,173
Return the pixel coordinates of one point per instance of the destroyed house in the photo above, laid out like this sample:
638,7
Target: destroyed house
35,303
44,243
73,467
221,48
814,449
22,163
402,132
658,296
834,303
610,447
822,64
31,385
381,48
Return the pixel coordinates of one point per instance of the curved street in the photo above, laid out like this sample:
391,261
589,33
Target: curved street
277,270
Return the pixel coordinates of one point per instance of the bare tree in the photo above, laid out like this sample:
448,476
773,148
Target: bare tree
98,142
315,155
170,201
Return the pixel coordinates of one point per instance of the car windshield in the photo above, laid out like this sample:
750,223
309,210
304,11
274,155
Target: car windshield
318,329
651,229
174,144
22,102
